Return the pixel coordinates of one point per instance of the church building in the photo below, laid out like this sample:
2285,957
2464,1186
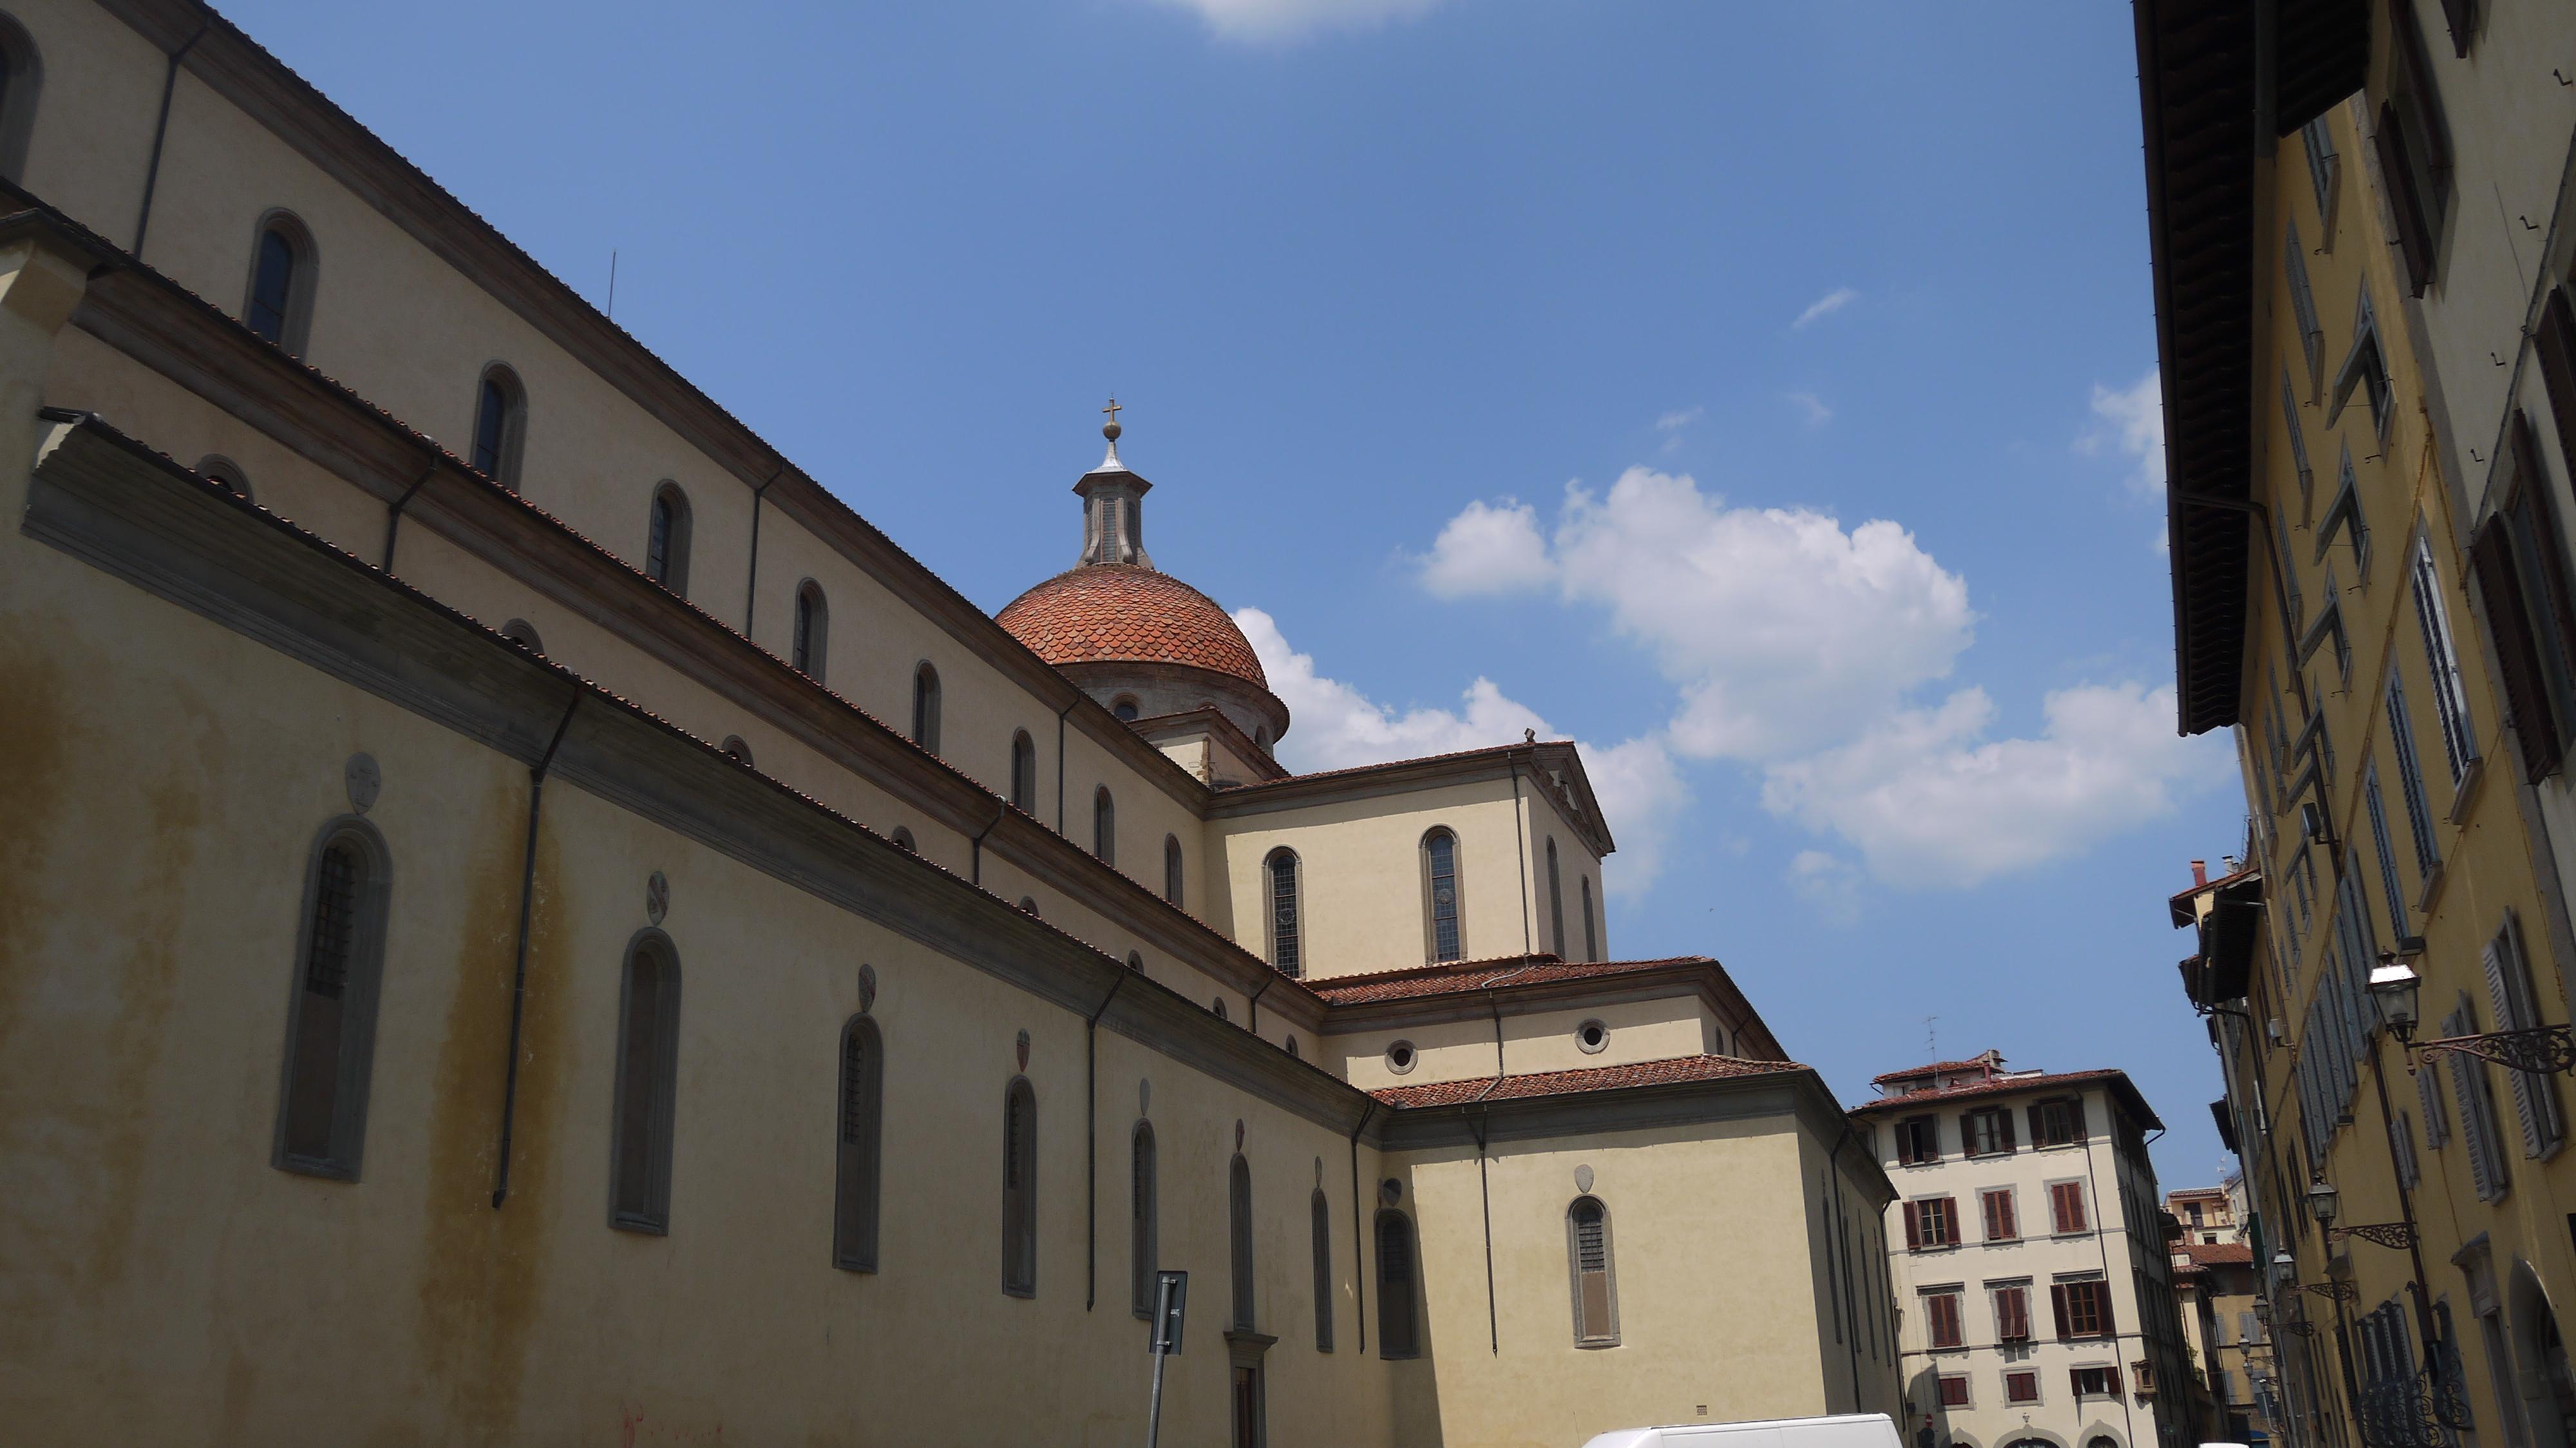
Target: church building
524,917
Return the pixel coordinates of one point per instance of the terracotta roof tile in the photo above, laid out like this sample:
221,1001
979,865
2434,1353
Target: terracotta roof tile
1457,977
1118,611
1937,1068
2010,1085
2217,1254
1582,1079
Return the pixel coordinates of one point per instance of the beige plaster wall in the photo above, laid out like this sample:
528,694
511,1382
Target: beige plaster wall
1533,1040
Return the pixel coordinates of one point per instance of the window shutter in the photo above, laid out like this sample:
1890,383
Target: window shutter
2557,349
2551,587
2057,1306
1949,1215
2405,200
1913,1226
2075,1380
2535,1100
2110,1328
2462,17
2437,1117
2111,1374
2517,653
2004,1127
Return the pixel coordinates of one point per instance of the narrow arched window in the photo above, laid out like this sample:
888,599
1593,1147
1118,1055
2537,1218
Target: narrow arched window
1029,904
734,749
523,633
925,707
903,841
1024,772
224,470
1143,1224
1555,903
854,1201
1440,893
1238,1216
279,306
1397,1287
1020,1189
1596,1297
500,422
331,1014
666,540
1591,930
1172,870
1281,872
1320,1212
648,1061
1104,826
1136,962
22,75
813,626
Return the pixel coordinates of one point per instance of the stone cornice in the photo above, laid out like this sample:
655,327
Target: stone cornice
1538,763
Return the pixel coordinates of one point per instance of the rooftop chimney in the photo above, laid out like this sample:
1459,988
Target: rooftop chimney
2199,873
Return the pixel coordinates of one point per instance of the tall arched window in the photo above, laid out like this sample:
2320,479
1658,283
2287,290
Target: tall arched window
648,1063
925,707
22,75
1172,870
331,1014
1596,1295
1555,903
1281,872
1024,772
1143,1225
1320,1213
813,630
500,425
1020,1189
1104,826
854,1203
1440,893
1238,1217
1591,930
1397,1288
666,539
283,266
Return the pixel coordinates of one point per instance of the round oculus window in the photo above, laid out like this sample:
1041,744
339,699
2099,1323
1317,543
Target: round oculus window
1591,1037
1401,1057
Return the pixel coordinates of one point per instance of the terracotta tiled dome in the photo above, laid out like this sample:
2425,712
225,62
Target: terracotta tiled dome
1103,612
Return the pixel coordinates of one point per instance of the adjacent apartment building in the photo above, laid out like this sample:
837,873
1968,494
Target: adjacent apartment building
2030,1257
2224,1323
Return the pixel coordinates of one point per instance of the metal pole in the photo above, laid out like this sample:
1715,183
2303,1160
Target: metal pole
1154,1413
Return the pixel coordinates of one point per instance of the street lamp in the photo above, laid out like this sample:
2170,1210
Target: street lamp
2536,1051
2285,1268
2396,985
2322,1199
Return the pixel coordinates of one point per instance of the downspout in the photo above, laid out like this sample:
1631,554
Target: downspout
394,511
161,130
1479,1123
1252,1004
519,975
975,848
1520,837
751,581
1091,1145
1059,762
2102,1249
1359,1242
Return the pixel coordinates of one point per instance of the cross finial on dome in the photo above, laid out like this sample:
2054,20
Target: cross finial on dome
1111,429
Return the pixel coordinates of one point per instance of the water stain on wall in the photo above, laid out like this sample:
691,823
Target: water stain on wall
482,1268
34,730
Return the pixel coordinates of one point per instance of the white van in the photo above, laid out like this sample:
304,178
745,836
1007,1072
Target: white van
1848,1430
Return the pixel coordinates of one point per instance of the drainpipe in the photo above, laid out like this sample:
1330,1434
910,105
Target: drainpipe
1252,1004
161,130
1359,1242
1091,1145
751,581
394,512
519,976
1059,761
975,849
1478,1122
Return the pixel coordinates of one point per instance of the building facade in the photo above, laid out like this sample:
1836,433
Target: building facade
524,917
2219,1297
2029,1256
2357,211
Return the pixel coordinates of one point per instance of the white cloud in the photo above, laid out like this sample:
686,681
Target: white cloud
1258,20
1930,802
1825,306
2134,422
1487,548
1679,418
1830,885
1814,407
1334,726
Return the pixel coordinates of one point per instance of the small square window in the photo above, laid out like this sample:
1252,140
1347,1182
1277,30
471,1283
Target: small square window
1954,1390
2021,1387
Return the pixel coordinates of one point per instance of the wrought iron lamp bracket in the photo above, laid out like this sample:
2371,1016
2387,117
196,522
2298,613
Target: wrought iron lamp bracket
2387,1234
2339,1291
2540,1051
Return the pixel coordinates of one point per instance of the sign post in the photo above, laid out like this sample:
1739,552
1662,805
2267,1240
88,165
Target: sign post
1171,1304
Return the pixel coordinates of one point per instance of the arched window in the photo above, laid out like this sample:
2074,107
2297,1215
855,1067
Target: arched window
1396,1287
854,1202
813,629
925,707
648,1063
1280,871
1143,1225
283,265
1440,893
903,841
500,425
1125,709
523,633
1591,931
1238,1216
218,468
734,749
331,1014
1172,870
1596,1295
1029,904
1555,903
1020,1189
1218,1006
1136,962
1024,772
666,540
1104,826
1320,1212
22,75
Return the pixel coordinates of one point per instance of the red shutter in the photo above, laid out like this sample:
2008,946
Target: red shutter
1949,1221
1968,1143
2057,1305
2102,1309
2003,1126
2517,654
1913,1227
2405,201
2111,1375
2556,346
2075,1380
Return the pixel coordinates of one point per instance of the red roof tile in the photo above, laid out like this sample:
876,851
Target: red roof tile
1582,1079
2217,1254
1121,612
1938,1068
1463,976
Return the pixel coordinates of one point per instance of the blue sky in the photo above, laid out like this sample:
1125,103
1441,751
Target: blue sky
1751,392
